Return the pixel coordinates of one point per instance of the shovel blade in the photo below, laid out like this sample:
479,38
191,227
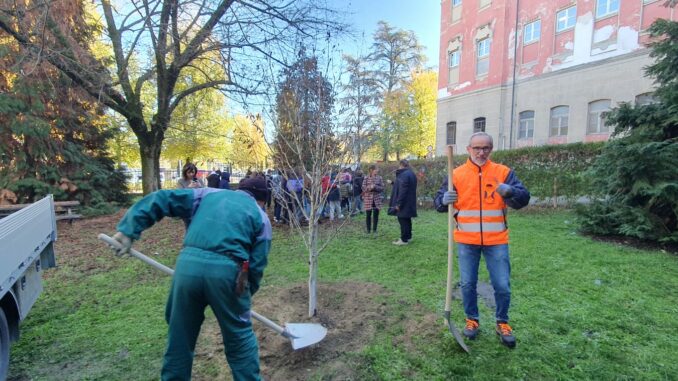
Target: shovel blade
457,336
304,334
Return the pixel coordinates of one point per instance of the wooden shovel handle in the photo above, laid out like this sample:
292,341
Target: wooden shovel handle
450,235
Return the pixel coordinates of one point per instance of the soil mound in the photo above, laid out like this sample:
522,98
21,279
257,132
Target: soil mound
348,311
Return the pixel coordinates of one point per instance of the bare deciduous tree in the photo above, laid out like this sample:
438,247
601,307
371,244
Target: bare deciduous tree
161,38
308,146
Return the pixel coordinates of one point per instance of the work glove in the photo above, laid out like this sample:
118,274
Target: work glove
125,242
449,197
505,190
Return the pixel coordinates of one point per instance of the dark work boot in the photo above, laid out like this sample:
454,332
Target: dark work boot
506,334
471,328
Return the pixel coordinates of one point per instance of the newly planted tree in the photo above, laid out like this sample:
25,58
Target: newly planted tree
307,148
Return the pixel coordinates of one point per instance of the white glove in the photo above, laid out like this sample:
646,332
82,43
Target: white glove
505,190
125,242
449,197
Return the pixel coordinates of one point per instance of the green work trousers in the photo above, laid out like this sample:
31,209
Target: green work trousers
205,278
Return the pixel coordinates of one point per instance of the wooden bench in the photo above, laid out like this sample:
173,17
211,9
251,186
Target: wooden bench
63,210
67,210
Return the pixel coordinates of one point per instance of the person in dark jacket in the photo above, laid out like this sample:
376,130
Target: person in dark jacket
357,193
213,179
286,202
334,198
404,201
269,185
225,182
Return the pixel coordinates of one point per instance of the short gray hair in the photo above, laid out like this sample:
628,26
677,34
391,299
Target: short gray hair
483,134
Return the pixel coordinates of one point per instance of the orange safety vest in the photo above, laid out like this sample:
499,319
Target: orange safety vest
481,211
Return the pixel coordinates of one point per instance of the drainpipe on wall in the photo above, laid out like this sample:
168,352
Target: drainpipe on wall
515,66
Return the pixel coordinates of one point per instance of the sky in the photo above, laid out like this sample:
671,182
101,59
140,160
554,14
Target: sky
420,16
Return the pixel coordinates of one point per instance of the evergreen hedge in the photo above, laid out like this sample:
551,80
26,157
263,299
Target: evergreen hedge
546,171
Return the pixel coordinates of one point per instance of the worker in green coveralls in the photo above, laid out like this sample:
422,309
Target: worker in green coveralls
221,264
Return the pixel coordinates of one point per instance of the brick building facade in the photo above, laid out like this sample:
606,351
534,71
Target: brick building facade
534,72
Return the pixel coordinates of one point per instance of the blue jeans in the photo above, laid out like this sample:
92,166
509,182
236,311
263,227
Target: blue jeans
277,209
499,267
357,204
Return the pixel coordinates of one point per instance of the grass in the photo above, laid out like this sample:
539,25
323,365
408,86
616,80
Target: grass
581,309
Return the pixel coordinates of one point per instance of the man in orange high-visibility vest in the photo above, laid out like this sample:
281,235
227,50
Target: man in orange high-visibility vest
482,191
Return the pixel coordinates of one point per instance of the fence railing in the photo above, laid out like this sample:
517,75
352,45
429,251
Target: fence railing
168,179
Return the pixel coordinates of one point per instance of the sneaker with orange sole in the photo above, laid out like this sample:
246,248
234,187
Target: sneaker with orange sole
506,334
471,329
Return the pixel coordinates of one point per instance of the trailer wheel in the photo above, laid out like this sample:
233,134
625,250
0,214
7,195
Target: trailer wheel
4,346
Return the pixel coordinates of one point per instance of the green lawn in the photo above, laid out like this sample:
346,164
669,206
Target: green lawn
581,309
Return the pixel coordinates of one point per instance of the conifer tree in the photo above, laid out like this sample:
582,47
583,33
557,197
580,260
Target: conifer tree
636,176
52,136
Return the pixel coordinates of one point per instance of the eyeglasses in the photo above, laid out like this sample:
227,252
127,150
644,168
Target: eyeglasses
483,149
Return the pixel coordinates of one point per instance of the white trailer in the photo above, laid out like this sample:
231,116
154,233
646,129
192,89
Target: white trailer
26,249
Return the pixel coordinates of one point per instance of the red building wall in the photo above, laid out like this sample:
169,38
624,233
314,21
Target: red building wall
592,39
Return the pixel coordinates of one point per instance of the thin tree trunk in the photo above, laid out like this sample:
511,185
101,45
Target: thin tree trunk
313,270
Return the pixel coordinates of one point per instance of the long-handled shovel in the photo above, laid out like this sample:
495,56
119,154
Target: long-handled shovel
450,254
300,334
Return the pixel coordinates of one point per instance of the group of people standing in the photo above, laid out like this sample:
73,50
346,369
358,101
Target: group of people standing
349,192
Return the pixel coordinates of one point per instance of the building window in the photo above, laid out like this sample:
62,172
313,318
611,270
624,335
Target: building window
559,120
483,57
645,99
566,18
532,32
456,11
606,7
526,129
453,66
453,58
596,123
484,3
484,47
451,133
478,125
